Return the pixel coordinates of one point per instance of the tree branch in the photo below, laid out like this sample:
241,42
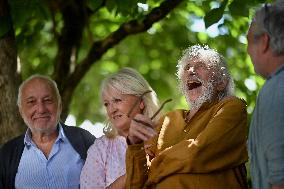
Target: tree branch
125,30
100,47
74,17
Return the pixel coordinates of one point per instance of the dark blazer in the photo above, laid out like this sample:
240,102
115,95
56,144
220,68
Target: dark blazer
11,153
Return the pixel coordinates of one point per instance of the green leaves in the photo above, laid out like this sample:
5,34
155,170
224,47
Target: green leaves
23,10
154,53
123,7
94,4
215,14
239,8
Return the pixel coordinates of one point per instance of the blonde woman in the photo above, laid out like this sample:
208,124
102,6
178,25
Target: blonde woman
124,94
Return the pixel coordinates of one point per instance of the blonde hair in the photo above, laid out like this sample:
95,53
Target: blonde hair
129,81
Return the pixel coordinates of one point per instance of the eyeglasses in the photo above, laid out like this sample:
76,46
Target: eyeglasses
140,98
266,18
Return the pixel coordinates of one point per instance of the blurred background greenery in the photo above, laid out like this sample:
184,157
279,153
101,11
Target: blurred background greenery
40,25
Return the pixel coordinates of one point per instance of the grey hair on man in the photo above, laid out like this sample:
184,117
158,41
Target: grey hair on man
270,19
51,82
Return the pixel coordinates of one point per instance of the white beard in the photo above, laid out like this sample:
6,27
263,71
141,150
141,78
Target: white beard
207,93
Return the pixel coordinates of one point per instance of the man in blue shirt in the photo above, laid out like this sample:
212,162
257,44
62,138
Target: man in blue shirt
50,154
266,138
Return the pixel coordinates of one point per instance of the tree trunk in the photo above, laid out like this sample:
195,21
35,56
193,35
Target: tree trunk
11,123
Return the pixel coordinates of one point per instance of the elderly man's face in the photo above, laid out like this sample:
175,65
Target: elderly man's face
197,82
39,106
255,51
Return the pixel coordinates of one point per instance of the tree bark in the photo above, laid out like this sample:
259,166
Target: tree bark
11,123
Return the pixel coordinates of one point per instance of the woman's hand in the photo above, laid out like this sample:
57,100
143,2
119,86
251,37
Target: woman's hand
141,129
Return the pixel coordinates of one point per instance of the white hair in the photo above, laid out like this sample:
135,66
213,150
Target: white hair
48,80
212,58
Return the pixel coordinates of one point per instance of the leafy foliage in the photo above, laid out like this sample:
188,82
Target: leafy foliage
39,26
215,14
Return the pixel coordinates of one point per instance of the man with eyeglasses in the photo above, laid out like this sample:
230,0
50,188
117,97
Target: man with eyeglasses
266,138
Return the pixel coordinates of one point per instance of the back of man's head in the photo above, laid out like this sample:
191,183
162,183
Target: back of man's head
270,19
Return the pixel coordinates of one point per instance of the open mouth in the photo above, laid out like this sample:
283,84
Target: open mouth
193,84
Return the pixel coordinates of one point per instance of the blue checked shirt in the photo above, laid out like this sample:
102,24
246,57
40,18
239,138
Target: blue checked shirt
266,138
61,170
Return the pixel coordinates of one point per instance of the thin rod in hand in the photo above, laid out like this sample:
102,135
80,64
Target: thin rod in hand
161,107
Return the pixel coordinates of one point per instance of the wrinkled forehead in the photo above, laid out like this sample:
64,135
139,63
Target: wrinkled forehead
201,62
39,86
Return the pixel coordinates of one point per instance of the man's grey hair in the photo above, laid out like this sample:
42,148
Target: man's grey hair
211,57
51,82
270,19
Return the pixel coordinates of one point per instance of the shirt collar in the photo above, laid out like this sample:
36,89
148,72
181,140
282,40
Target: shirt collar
204,106
281,68
61,136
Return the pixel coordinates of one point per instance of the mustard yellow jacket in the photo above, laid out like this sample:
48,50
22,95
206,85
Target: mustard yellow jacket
208,152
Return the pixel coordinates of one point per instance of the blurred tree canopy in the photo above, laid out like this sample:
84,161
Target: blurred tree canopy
79,42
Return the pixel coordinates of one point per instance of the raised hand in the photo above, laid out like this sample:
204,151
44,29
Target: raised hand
141,129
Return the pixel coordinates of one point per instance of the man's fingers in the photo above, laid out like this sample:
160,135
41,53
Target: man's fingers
142,122
145,128
141,129
140,135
